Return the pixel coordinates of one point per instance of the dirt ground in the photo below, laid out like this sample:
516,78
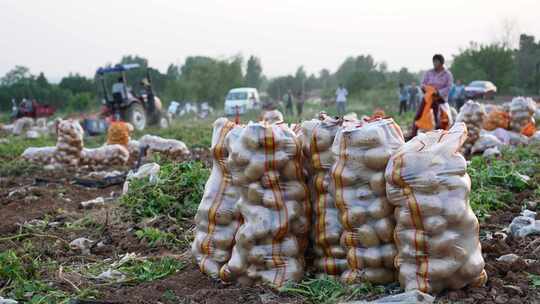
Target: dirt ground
53,196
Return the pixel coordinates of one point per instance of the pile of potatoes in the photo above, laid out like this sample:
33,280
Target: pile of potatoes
105,156
472,114
169,148
522,112
359,188
42,155
437,231
265,163
218,217
317,136
69,143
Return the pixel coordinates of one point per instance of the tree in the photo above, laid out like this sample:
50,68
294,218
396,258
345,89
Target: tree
253,72
493,62
77,84
528,64
15,75
41,81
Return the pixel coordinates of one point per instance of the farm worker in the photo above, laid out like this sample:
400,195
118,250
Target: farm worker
413,96
147,91
118,133
120,88
434,111
341,99
300,105
457,95
403,98
289,103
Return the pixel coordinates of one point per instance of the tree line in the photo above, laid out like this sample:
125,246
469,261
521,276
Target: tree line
200,78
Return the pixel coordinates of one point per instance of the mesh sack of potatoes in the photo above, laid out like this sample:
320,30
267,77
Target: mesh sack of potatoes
497,118
359,189
472,114
273,116
217,218
69,143
266,163
118,133
105,156
134,148
317,136
169,148
22,124
436,232
486,141
522,112
42,155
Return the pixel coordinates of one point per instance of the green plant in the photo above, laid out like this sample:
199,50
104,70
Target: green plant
535,280
176,193
156,237
329,290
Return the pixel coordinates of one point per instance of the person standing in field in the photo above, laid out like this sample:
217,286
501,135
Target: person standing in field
289,103
458,94
413,96
437,83
300,105
403,98
341,100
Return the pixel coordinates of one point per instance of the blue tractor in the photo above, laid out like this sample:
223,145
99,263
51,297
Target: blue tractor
121,103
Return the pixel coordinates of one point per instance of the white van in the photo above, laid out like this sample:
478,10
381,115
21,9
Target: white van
241,100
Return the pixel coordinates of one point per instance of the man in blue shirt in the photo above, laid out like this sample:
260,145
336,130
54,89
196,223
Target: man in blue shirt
403,98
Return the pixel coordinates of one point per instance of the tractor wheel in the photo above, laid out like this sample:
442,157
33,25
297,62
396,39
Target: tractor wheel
136,116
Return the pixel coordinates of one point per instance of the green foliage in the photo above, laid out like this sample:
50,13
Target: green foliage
156,237
16,167
493,62
535,280
77,84
496,181
329,290
527,64
151,270
177,192
253,73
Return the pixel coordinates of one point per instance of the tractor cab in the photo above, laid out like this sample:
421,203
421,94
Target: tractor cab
122,103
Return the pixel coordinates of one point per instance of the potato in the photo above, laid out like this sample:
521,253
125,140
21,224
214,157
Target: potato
292,171
377,183
364,193
366,137
385,229
255,193
223,237
435,225
255,170
388,254
377,158
367,236
443,268
380,207
355,216
378,275
371,257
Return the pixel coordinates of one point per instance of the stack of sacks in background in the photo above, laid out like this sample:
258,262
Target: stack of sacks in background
22,124
437,231
69,143
42,155
218,217
522,112
359,189
497,118
472,114
134,148
273,116
168,148
317,136
105,156
266,164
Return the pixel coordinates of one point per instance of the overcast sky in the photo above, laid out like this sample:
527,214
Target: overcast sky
62,36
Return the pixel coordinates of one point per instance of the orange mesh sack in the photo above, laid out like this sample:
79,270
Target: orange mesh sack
437,232
69,143
359,189
472,114
497,119
118,134
217,218
317,138
522,112
426,121
266,164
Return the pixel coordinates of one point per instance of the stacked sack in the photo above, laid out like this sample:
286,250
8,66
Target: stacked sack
169,148
472,114
106,156
437,231
317,138
134,148
266,164
522,112
497,118
359,188
43,155
218,217
69,143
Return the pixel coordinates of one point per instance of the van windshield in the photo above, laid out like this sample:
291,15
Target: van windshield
237,96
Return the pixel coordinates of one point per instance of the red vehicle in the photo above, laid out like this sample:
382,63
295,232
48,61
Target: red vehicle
32,109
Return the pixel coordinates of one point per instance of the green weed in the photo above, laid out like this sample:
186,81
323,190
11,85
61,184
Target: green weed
329,290
156,237
177,192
